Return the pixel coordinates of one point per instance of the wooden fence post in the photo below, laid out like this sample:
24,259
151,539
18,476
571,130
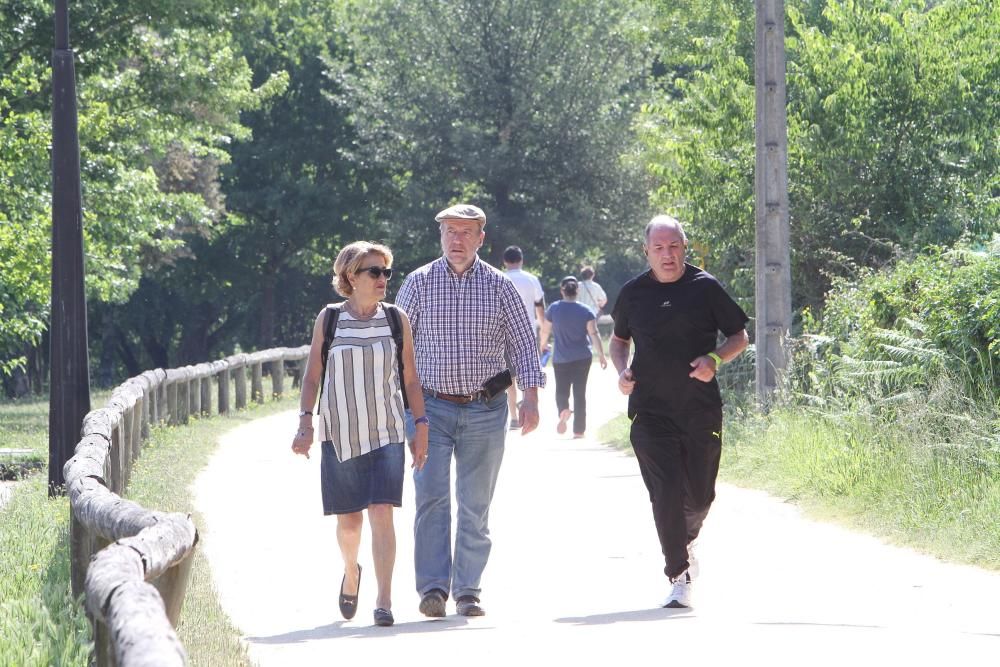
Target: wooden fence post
137,438
241,384
115,459
257,382
224,390
172,585
162,409
173,400
277,377
194,393
124,430
81,546
206,395
182,400
146,405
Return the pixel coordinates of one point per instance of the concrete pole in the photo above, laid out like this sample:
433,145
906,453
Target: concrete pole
773,271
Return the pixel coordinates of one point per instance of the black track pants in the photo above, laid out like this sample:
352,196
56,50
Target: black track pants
679,461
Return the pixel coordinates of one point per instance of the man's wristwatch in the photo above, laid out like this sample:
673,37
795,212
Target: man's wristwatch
304,413
422,420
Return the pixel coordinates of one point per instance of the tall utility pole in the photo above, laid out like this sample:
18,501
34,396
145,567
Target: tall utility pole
69,378
774,277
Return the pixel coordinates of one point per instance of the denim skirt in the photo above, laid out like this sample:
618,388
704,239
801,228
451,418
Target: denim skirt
375,478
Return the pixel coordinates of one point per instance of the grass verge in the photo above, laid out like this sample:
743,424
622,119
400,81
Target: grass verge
163,479
40,623
907,476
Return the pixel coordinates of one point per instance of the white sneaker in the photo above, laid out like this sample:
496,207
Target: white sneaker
680,593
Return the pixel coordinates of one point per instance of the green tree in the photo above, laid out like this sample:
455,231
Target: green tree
160,88
892,131
294,194
698,132
523,107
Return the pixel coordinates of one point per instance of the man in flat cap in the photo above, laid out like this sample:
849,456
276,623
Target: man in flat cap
467,320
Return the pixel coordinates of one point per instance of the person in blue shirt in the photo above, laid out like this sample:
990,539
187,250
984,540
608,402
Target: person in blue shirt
573,327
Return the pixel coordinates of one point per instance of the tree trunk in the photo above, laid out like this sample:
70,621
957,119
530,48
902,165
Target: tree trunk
127,354
194,337
157,351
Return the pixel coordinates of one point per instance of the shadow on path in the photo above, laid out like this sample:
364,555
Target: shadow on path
660,614
341,629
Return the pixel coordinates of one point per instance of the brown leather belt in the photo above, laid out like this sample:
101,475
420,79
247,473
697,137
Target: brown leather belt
460,399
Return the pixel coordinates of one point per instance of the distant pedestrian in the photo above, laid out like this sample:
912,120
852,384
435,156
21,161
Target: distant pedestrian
530,289
591,294
673,313
574,328
468,320
361,417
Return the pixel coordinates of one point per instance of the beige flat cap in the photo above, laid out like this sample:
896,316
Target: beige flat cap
462,212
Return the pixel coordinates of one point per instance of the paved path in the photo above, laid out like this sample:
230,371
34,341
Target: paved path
576,574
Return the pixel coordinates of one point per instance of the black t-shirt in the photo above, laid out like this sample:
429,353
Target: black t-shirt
672,324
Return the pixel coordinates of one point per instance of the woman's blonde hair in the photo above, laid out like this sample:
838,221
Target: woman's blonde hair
349,261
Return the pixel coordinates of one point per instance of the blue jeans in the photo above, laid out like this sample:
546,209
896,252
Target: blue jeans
474,434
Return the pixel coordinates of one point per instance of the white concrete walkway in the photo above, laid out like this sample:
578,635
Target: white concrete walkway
576,577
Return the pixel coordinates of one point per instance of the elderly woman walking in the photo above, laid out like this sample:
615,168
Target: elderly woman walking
356,361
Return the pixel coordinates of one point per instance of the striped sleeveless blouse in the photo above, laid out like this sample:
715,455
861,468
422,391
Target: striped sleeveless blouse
362,405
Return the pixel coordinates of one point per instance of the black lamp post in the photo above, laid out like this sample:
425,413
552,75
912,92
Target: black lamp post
69,378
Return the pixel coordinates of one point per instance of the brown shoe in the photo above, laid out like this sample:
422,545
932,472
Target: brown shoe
432,604
467,605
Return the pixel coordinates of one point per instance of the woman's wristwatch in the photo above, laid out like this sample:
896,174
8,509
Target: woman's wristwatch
305,413
422,420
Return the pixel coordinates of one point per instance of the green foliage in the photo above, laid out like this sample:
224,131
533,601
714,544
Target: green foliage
898,330
699,136
159,87
294,193
24,215
522,107
892,131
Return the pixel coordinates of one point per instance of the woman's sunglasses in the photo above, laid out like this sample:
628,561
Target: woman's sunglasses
376,272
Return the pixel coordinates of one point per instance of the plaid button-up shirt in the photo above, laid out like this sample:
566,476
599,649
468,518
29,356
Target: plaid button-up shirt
466,327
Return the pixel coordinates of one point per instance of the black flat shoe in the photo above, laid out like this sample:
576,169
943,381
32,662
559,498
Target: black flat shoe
383,617
349,603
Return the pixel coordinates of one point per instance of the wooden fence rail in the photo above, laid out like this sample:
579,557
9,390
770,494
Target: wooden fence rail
132,563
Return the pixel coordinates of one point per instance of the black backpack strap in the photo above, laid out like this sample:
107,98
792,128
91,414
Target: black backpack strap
396,326
329,330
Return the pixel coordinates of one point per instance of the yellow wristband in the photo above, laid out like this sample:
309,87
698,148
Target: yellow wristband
717,358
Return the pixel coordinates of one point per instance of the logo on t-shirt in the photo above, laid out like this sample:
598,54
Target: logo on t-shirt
665,304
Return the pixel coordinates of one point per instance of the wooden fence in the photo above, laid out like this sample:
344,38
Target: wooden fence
130,562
